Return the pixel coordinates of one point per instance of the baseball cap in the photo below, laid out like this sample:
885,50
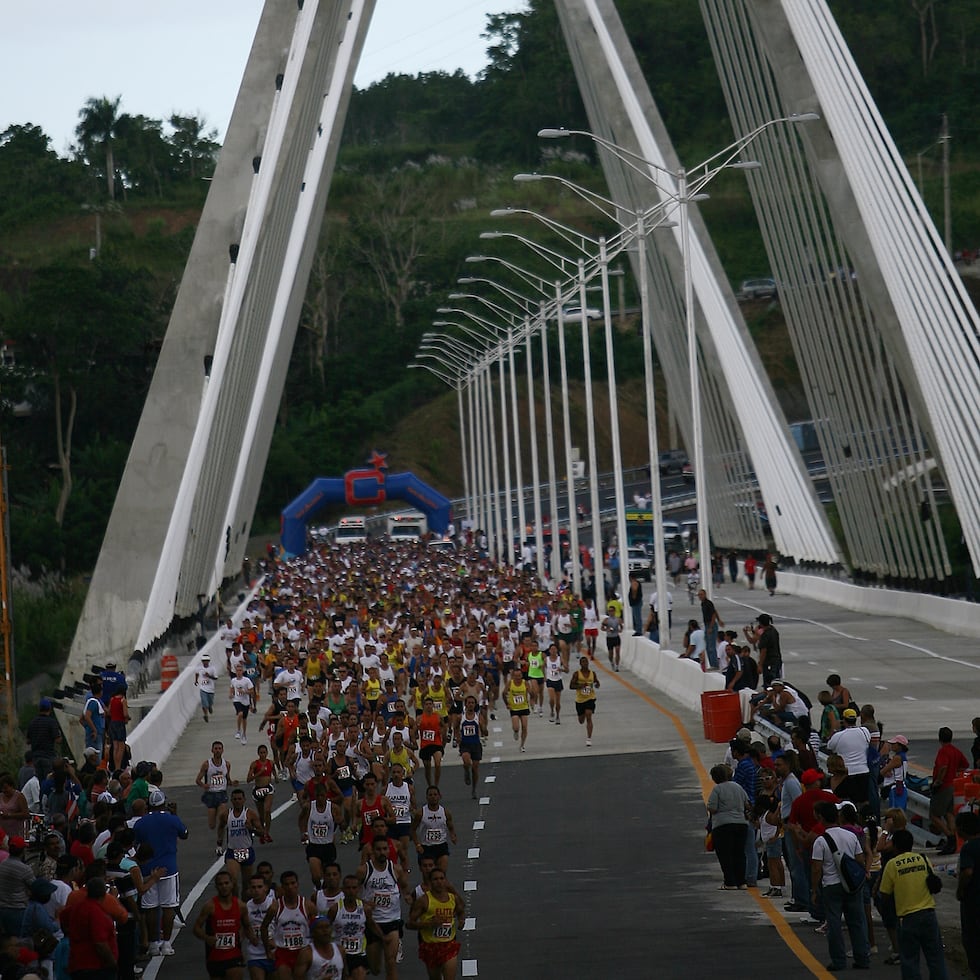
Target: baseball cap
45,704
850,713
16,844
157,797
777,681
111,664
764,618
900,740
205,656
811,776
744,734
91,752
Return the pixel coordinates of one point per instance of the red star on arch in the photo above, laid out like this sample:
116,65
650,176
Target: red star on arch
378,460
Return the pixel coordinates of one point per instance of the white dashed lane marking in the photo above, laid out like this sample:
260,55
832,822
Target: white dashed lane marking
469,886
473,852
479,824
469,968
484,800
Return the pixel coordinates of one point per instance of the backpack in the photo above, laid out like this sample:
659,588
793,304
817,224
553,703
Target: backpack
852,872
803,697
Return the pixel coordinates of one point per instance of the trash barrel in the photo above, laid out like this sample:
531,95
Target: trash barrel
721,712
168,670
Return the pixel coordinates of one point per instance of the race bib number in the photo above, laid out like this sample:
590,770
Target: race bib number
437,706
518,699
350,946
292,942
225,940
443,931
401,810
218,781
343,772
382,901
319,831
586,689
433,837
428,735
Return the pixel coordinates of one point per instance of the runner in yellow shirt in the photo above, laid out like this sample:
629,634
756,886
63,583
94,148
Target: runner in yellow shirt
518,700
584,683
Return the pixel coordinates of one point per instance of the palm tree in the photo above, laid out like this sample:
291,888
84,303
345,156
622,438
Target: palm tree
97,128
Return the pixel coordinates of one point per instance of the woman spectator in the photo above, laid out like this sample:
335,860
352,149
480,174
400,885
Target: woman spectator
13,807
836,771
893,820
728,805
771,832
894,771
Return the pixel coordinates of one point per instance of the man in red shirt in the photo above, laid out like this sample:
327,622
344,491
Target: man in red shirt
949,763
804,826
94,953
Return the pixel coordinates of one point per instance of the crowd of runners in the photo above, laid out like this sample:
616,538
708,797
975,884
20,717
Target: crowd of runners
355,674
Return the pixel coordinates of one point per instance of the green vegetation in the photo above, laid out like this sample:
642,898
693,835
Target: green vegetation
425,158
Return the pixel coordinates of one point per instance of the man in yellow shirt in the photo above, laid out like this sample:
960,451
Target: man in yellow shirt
904,877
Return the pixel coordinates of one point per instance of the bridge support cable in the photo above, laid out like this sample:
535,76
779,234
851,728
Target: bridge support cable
622,111
877,431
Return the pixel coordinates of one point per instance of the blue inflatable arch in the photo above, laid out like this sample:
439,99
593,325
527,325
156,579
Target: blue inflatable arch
361,488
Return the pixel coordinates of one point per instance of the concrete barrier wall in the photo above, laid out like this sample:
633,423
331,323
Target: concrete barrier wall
681,679
952,615
156,735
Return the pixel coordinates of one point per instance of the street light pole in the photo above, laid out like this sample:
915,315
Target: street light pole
598,565
569,466
535,472
549,442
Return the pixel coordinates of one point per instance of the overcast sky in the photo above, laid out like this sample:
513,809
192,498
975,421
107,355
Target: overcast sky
188,55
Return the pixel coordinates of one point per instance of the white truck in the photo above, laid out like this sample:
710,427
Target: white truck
407,526
351,530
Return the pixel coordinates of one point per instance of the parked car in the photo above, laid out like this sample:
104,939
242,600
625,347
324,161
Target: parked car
573,314
638,562
757,289
672,461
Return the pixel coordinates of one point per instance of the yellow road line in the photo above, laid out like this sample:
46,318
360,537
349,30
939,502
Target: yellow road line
784,929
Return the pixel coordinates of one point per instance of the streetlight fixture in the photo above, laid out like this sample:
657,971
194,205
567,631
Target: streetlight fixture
686,190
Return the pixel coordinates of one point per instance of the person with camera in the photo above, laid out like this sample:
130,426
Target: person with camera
909,877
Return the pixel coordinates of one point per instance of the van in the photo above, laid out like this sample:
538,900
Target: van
672,461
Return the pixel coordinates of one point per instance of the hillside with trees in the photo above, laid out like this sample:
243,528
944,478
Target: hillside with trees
92,245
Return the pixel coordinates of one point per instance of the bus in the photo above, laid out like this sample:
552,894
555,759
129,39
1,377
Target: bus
351,530
408,526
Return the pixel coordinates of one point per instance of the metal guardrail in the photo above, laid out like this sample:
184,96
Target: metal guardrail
918,804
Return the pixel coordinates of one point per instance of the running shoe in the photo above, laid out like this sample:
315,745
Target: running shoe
154,949
588,742
219,850
523,749
244,740
238,735
400,955
551,720
558,721
166,949
206,719
493,715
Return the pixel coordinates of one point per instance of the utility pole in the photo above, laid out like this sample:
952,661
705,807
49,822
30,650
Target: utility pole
944,139
9,672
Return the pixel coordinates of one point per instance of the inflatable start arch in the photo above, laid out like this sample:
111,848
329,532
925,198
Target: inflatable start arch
365,487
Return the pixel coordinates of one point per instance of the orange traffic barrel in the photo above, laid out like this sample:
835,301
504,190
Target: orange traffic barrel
721,712
168,670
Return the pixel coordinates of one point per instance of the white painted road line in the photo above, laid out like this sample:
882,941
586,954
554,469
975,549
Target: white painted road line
478,824
484,800
495,758
490,779
469,925
469,886
937,656
469,968
473,852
